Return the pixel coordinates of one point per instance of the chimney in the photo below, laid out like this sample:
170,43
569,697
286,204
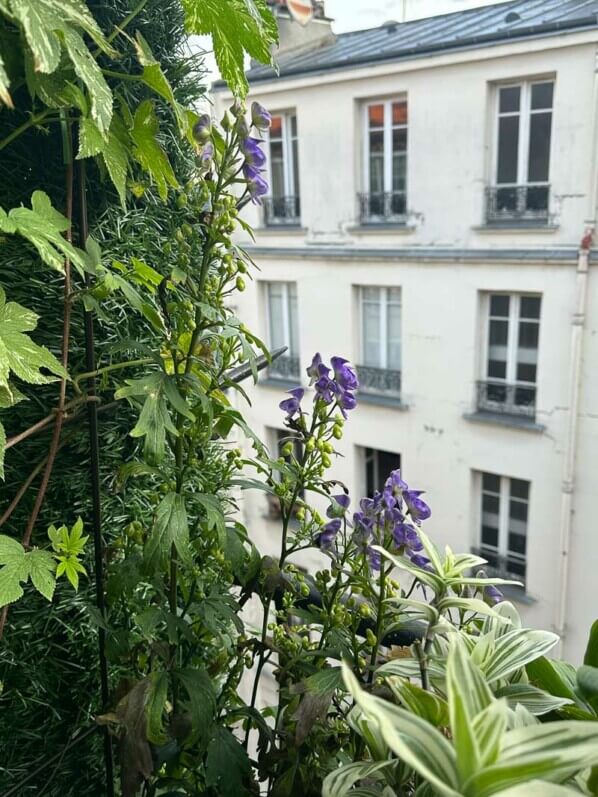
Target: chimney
295,36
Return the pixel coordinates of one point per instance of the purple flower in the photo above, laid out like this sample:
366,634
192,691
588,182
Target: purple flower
374,558
206,153
253,154
339,505
493,595
292,405
394,488
347,401
418,509
202,128
261,118
420,561
344,374
327,535
256,185
313,369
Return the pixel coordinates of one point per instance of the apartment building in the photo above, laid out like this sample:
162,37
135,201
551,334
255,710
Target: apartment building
433,194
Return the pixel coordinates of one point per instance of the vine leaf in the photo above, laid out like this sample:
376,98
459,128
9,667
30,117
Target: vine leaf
227,764
171,527
148,152
43,226
202,699
19,565
236,27
116,157
51,26
156,701
42,570
155,79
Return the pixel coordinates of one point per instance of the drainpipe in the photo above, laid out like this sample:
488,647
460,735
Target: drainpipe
576,362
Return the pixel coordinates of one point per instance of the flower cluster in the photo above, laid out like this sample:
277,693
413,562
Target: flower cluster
255,159
389,519
332,385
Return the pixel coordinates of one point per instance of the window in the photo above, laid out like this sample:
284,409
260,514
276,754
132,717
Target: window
283,328
380,371
511,362
378,465
283,206
385,161
503,524
522,152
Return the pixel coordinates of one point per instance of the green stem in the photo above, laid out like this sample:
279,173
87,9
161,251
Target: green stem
107,369
31,122
379,622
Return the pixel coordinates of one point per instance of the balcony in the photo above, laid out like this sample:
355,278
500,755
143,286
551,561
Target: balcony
282,211
511,567
285,369
517,205
387,208
379,382
514,400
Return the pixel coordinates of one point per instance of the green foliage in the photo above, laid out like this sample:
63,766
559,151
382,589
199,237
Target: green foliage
237,27
69,546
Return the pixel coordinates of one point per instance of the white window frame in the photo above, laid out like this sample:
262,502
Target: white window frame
288,158
383,324
504,496
286,315
525,112
512,339
388,128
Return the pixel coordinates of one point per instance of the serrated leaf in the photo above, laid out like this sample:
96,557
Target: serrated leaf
91,141
116,157
11,550
10,588
156,702
154,77
148,152
202,699
170,528
227,764
325,681
41,569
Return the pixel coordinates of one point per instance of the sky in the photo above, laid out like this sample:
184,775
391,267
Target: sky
360,14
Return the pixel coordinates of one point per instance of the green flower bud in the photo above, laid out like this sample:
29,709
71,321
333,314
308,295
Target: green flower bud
364,610
240,284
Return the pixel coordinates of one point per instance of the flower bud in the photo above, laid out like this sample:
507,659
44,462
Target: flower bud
202,129
260,117
227,121
310,445
364,610
240,284
287,449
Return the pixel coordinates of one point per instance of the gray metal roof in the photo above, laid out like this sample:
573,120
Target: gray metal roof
475,27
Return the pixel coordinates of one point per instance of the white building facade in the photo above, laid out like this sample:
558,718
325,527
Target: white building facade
433,194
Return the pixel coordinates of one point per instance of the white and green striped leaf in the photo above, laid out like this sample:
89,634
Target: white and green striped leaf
535,700
515,649
339,782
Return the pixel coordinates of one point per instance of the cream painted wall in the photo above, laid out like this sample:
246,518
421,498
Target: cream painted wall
449,152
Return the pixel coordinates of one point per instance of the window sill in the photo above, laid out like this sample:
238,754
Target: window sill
381,400
401,228
516,226
517,594
275,229
498,419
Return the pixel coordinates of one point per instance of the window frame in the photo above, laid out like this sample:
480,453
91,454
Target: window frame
371,454
387,137
383,303
525,112
286,315
288,156
502,550
514,320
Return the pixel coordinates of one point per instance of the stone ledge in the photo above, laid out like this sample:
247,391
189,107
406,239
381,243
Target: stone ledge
498,419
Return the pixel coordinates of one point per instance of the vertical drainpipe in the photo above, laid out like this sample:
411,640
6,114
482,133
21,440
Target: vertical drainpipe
576,363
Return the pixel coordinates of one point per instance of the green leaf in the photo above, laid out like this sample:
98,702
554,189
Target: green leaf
325,681
535,700
148,152
154,77
202,699
468,695
170,528
11,550
514,650
156,702
116,157
2,449
538,788
339,783
91,141
42,568
241,26
591,655
426,705
547,675
587,679
419,744
227,764
10,588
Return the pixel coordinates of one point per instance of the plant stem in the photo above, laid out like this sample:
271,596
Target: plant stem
107,369
379,621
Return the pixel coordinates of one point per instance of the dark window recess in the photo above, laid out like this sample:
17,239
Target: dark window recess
378,466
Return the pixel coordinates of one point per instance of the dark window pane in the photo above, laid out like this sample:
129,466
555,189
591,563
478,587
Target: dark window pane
370,473
387,462
276,127
536,197
517,544
525,396
508,146
530,307
399,140
296,167
539,147
496,393
497,369
520,488
499,305
509,99
490,503
490,556
518,510
542,95
499,331
399,113
376,174
399,172
293,121
528,334
490,536
516,567
526,372
507,200
376,115
490,482
377,142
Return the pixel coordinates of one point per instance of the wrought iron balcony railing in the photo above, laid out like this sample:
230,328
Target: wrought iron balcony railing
512,567
281,210
524,203
379,381
285,368
388,208
516,400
